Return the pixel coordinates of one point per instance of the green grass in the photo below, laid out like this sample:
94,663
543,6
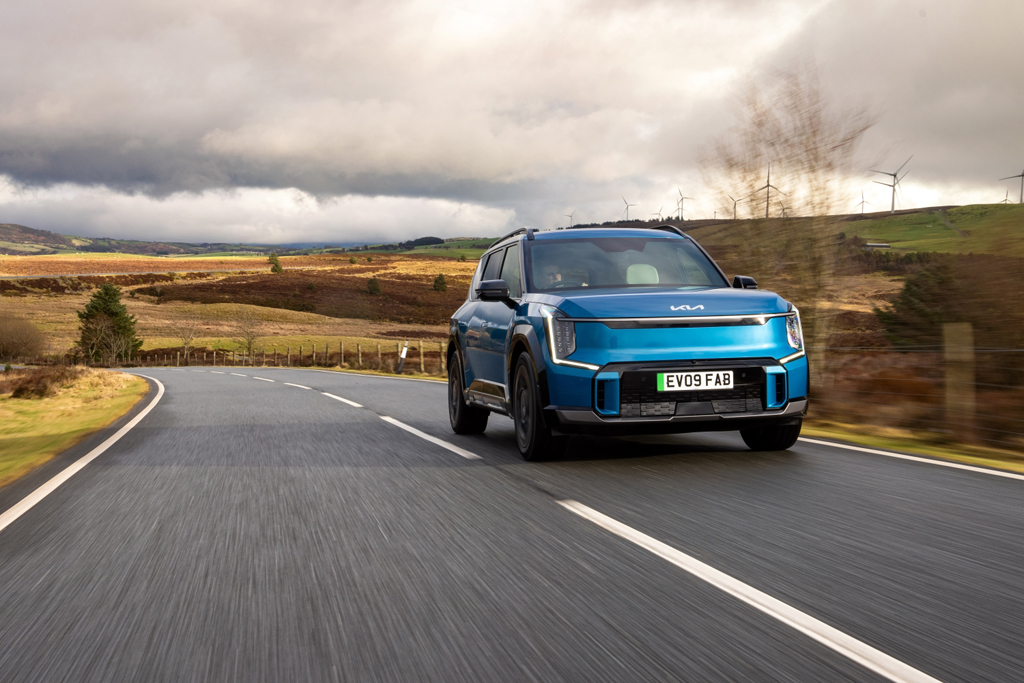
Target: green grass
34,430
989,228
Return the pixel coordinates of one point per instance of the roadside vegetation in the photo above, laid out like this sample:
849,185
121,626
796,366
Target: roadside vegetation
46,410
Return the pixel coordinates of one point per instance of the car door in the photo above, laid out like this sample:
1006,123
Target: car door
493,320
477,330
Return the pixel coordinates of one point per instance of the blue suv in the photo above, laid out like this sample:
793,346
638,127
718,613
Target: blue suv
622,331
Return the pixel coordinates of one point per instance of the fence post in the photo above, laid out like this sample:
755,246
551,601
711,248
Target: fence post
341,354
422,370
440,356
401,358
379,361
958,344
313,356
359,355
327,354
177,358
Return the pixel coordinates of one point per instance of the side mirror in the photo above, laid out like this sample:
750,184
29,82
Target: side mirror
744,282
493,290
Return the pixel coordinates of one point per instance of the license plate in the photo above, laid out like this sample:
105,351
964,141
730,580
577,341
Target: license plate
694,381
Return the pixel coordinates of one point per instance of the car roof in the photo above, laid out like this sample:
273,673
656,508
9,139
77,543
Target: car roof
655,232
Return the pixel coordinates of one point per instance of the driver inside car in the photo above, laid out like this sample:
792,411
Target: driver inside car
551,275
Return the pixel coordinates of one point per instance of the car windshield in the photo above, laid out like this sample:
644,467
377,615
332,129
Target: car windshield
658,262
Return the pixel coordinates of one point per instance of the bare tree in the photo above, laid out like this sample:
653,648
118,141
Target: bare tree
248,329
19,337
186,329
809,142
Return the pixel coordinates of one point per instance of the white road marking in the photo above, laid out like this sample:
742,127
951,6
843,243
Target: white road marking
361,374
238,375
262,379
26,503
432,439
848,646
299,386
343,400
216,372
928,461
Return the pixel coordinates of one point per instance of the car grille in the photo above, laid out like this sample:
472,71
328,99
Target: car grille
639,396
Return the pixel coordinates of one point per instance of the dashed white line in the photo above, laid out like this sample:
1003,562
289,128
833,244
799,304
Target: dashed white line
298,386
238,375
848,646
928,461
262,379
216,372
432,439
343,400
29,501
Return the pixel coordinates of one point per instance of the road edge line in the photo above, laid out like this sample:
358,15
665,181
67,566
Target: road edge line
28,502
916,458
469,455
829,636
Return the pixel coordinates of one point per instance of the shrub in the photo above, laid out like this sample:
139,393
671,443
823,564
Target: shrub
45,381
353,260
369,259
462,258
275,263
310,285
19,337
440,284
373,286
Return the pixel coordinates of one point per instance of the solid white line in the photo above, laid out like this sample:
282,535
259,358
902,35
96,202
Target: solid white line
238,375
216,372
432,439
26,503
927,461
360,374
296,385
862,653
262,379
343,400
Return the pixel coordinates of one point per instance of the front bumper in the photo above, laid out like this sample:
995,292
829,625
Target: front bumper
575,421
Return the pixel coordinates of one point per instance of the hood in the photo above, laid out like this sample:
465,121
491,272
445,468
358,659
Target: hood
631,303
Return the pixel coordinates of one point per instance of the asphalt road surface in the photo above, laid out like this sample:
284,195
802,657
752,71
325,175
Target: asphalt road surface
251,530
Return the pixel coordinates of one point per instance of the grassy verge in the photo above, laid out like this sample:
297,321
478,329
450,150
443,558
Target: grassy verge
907,442
33,430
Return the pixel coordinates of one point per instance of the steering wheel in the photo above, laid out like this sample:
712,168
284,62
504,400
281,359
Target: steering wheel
561,284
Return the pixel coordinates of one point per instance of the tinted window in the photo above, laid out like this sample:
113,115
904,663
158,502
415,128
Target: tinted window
510,272
619,262
492,271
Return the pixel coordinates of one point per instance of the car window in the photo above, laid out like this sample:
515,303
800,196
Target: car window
510,272
619,262
492,271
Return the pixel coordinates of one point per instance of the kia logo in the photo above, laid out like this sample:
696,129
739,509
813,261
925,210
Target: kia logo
684,307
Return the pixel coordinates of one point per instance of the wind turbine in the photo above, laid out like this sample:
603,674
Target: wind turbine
569,216
1021,176
783,208
682,205
896,178
769,187
627,207
862,202
658,214
1006,199
733,206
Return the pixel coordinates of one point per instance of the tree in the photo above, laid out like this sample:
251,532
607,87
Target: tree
107,331
440,284
275,263
248,330
373,286
186,329
19,337
462,258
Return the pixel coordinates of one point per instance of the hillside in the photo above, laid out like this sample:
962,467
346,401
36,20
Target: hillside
21,240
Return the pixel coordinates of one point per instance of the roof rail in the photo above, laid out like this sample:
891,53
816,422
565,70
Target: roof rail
511,234
665,226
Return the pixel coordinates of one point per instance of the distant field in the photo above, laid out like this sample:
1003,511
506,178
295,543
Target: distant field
986,228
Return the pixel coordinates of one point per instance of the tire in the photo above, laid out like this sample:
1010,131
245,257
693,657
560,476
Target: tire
465,419
771,438
534,439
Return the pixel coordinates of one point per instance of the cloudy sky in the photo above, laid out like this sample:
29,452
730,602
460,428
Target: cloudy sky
330,121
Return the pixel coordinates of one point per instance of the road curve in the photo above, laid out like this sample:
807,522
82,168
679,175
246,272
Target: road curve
269,525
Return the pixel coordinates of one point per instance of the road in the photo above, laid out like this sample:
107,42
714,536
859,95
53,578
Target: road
256,530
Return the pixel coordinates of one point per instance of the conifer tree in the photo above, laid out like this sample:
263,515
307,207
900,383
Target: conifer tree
107,331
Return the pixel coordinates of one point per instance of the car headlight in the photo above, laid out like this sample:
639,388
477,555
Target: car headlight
561,335
794,331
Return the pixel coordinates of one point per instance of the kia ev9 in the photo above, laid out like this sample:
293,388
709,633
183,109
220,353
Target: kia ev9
622,331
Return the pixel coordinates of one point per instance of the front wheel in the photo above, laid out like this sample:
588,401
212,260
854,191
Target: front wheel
771,438
465,419
534,439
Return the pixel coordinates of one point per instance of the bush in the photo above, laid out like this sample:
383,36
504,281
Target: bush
353,260
440,284
45,381
19,337
275,263
369,259
373,286
311,285
462,258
